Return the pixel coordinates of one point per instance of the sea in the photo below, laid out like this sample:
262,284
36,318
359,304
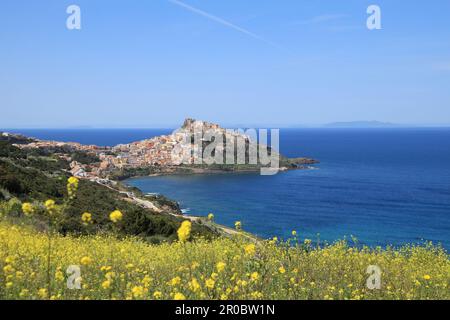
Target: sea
375,187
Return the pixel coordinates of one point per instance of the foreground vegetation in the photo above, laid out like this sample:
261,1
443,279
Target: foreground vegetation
224,268
35,176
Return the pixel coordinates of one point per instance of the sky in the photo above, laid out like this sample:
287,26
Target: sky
256,62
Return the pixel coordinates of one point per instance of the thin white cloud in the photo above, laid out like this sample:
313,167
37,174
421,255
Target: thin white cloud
225,23
320,19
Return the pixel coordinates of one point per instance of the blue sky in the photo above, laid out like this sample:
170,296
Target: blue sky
256,62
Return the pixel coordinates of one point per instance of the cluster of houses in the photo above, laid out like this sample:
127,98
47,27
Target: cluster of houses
163,151
152,152
167,150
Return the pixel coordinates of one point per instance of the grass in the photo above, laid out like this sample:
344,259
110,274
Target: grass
223,268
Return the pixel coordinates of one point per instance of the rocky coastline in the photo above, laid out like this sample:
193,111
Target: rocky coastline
154,156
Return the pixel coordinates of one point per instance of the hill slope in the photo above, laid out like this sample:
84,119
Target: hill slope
27,175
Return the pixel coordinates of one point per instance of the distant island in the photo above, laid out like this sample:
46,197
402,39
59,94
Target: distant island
361,124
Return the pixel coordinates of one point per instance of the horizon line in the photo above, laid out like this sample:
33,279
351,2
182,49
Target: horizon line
262,126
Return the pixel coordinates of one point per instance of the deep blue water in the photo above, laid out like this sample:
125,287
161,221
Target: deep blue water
99,137
383,186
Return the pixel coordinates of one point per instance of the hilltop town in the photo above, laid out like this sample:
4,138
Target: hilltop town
155,154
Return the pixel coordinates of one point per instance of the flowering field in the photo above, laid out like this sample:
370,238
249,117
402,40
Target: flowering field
226,268
46,265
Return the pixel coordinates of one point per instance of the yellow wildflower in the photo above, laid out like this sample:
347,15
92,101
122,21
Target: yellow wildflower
9,259
256,295
23,293
146,281
8,269
242,283
50,206
59,276
138,292
72,180
427,277
86,261
184,231
194,285
42,293
281,270
254,276
72,186
157,295
238,225
179,296
86,218
116,216
27,209
220,266
175,281
106,284
110,275
250,249
209,283
210,217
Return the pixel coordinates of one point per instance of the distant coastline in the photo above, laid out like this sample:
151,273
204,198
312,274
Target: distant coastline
154,156
362,124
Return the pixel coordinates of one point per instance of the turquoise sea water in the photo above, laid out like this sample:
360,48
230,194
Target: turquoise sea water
383,186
